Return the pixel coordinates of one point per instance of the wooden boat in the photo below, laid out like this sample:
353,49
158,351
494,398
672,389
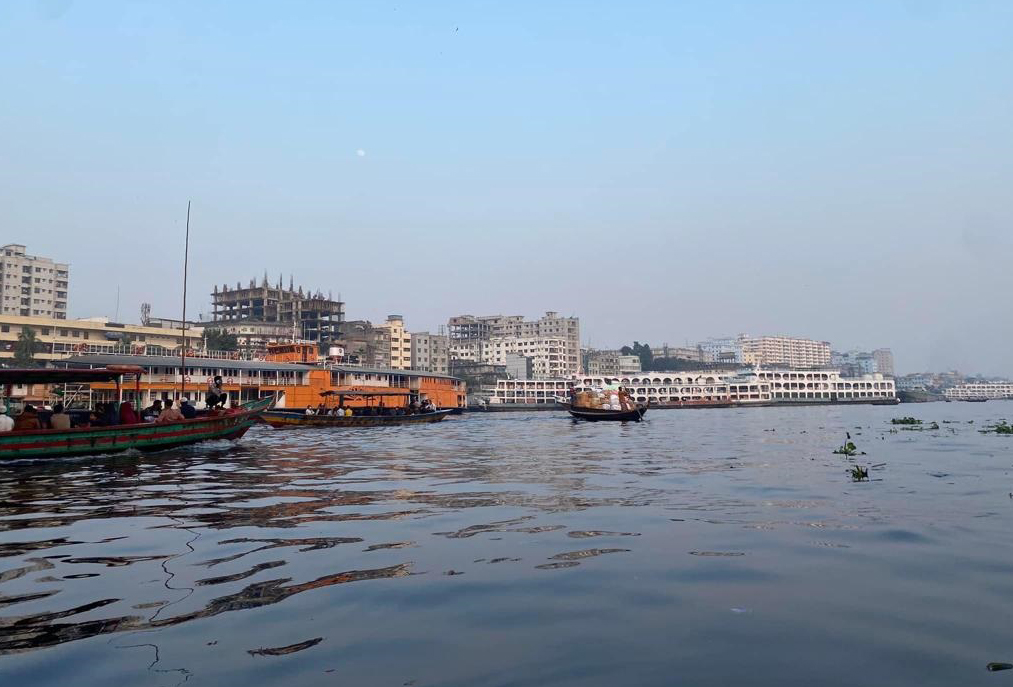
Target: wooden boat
144,436
598,414
378,416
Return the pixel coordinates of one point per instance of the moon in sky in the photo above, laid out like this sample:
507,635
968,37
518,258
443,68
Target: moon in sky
360,152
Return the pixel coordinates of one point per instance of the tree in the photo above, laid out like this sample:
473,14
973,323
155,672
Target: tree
219,340
25,348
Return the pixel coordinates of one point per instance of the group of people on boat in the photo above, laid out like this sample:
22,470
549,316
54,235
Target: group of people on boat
413,408
103,415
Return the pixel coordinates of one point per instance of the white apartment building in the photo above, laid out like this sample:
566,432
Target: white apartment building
32,286
548,356
400,342
429,352
471,336
993,390
785,351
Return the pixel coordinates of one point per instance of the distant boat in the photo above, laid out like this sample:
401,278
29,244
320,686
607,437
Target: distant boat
976,399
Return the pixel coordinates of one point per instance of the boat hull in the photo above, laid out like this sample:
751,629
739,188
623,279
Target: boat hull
146,437
280,419
596,415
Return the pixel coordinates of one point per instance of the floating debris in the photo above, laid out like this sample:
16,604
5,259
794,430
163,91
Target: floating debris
999,666
849,449
283,650
453,572
905,421
586,553
1001,427
584,534
556,566
717,553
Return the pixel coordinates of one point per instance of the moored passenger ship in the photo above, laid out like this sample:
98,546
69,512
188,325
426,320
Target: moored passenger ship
292,384
707,389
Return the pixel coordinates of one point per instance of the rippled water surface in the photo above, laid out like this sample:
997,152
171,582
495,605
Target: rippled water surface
701,547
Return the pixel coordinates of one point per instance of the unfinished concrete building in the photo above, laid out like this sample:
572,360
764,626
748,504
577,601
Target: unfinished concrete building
312,315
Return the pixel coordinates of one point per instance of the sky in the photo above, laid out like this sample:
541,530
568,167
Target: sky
666,171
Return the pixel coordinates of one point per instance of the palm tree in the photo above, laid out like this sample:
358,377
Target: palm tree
24,349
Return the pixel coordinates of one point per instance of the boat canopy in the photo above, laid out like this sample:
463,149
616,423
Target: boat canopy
48,375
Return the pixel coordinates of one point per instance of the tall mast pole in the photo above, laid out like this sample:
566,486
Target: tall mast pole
186,259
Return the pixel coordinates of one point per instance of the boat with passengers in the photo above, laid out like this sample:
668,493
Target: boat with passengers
371,411
228,424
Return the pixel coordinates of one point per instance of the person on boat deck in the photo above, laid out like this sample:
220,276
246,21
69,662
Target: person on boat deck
96,418
169,414
59,419
348,412
127,414
187,410
28,419
321,409
151,413
310,411
110,417
216,394
6,421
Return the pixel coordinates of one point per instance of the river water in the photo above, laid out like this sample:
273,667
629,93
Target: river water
700,547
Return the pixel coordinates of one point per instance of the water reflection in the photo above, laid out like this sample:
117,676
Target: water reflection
518,540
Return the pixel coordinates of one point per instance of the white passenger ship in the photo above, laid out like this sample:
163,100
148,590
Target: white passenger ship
706,389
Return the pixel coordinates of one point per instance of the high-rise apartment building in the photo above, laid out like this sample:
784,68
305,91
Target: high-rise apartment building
786,351
32,286
400,342
884,361
429,352
470,338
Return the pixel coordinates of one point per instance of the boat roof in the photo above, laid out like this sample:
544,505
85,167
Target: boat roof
173,361
355,369
50,375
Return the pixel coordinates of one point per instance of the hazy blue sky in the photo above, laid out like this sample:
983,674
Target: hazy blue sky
665,170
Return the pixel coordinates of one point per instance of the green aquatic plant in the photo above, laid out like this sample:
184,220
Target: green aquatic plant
905,421
849,449
859,474
1001,427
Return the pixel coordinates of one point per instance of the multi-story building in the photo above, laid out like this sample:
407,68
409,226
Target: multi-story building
721,350
365,344
785,351
429,352
400,341
313,316
692,353
32,286
548,355
991,390
57,338
884,361
471,336
612,363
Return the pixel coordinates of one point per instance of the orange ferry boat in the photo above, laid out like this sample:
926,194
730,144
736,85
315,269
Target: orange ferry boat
289,374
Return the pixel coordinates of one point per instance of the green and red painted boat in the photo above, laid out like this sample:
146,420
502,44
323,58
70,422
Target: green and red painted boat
146,436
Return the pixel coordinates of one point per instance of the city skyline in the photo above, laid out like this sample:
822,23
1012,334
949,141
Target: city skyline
665,173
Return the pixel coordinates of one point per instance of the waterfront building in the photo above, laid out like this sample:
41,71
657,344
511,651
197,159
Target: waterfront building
519,366
313,316
365,344
548,355
785,351
853,363
990,390
690,353
32,286
884,361
58,338
429,352
471,336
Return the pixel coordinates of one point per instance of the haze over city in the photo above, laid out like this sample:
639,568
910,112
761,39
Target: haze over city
666,173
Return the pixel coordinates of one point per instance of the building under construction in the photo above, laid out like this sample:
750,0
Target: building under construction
313,316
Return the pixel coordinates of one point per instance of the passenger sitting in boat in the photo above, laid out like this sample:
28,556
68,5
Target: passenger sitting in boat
127,414
151,413
348,412
321,409
169,414
59,419
110,416
413,407
187,410
216,395
28,419
96,418
6,421
310,411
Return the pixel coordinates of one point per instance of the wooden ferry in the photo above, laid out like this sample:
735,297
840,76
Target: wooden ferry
85,441
635,414
378,415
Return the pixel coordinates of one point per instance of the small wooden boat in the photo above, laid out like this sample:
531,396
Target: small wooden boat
144,436
598,414
371,416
